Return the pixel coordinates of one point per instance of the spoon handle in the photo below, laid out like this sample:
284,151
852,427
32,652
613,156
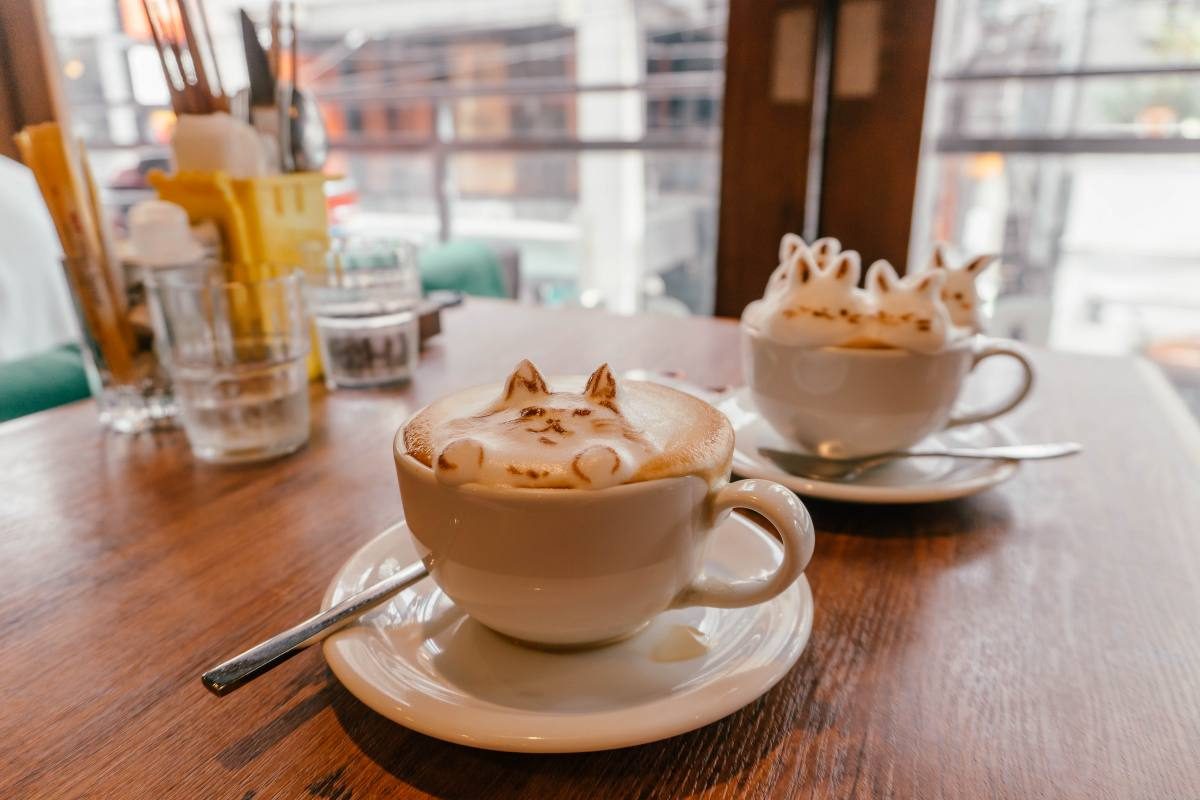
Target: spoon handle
1024,452
229,675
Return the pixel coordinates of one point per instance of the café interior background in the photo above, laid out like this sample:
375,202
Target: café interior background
583,140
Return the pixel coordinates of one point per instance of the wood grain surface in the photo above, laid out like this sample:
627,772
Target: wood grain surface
1039,640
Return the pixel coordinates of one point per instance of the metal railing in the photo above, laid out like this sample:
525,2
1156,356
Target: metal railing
1067,145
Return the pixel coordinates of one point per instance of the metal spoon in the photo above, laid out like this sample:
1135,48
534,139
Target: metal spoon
229,675
821,468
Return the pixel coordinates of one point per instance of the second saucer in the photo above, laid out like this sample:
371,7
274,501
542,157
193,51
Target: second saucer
908,481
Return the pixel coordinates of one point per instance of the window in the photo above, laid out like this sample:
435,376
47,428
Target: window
582,135
1066,136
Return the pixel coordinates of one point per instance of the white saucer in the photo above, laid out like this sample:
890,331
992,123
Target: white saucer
917,480
422,663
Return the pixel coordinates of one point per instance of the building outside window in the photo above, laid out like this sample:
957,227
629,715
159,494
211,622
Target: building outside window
584,136
1066,136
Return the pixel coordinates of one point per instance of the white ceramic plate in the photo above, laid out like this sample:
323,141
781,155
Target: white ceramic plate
917,480
421,662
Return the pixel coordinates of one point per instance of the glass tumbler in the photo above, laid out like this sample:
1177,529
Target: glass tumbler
131,388
236,351
364,298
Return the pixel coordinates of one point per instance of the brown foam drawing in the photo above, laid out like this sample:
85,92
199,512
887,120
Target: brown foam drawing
531,436
825,251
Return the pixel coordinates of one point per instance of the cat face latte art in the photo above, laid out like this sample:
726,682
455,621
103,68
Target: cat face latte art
532,435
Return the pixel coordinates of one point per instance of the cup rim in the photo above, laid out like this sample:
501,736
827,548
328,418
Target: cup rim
210,278
954,346
541,495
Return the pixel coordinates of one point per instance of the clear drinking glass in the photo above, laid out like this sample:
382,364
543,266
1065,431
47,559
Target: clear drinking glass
237,354
130,386
363,297
368,350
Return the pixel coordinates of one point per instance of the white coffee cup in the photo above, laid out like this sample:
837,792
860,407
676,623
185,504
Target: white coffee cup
852,401
569,567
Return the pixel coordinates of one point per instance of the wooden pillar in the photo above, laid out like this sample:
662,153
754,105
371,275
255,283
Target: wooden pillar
30,89
769,71
873,132
862,117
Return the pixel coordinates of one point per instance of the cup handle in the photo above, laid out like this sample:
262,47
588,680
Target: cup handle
998,347
788,516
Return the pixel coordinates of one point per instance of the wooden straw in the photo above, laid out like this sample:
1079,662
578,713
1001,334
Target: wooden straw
222,99
273,55
191,87
45,151
186,66
178,100
293,64
203,92
110,263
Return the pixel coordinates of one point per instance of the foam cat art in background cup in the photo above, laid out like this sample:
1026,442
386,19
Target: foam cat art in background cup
845,371
571,512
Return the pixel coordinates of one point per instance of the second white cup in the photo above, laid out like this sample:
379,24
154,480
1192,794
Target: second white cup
850,401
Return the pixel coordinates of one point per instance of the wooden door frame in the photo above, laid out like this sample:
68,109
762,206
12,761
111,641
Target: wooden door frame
765,140
857,138
869,183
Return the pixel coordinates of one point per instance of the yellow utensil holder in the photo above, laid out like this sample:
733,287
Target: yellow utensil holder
267,223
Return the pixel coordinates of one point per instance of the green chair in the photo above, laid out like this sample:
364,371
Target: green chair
42,381
468,267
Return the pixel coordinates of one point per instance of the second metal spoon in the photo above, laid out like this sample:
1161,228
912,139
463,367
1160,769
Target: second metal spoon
821,468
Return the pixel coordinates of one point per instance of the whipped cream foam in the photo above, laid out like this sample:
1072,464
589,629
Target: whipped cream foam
810,305
908,312
959,293
575,435
812,299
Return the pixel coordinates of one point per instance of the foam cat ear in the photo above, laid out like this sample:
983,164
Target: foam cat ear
978,264
459,462
805,268
939,259
789,245
825,248
846,269
929,283
602,385
525,382
597,465
881,277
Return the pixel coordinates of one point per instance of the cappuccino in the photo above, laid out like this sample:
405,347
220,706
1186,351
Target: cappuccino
813,300
569,433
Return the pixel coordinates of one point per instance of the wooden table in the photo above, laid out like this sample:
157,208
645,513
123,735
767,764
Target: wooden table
1039,640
